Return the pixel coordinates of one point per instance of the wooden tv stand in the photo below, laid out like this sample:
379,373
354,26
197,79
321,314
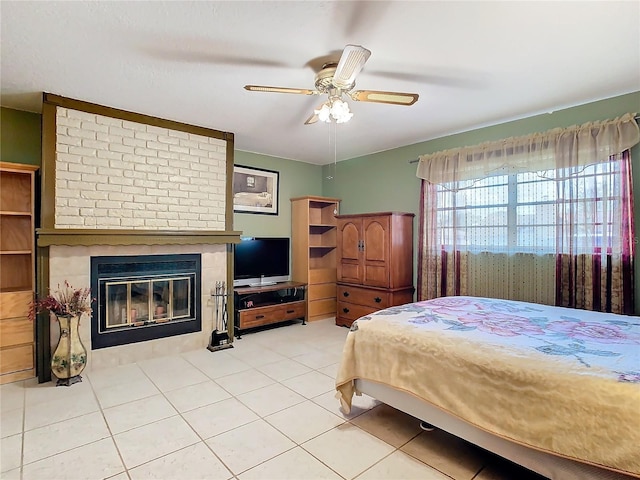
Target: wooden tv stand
267,304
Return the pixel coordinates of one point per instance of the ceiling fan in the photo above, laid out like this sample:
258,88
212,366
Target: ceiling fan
336,79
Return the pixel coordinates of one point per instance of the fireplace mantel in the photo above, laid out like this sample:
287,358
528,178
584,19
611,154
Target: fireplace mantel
89,237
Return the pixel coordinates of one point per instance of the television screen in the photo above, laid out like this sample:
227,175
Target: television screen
261,261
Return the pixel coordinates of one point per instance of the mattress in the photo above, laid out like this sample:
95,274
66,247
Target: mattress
558,380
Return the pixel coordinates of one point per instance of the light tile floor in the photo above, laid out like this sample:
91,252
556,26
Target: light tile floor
264,409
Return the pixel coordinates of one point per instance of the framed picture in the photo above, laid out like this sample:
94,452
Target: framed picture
255,190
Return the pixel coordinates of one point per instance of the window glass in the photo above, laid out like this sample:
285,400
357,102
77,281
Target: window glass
525,212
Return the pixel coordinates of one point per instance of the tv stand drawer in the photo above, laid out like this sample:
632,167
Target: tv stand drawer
294,310
258,316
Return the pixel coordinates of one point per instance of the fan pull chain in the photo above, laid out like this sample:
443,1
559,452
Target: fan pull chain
335,158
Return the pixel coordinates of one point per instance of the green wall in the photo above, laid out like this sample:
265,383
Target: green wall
386,181
20,139
296,179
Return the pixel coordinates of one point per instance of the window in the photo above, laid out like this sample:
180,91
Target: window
529,212
546,218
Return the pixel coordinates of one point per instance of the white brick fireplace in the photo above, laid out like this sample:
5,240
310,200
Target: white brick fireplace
113,173
122,187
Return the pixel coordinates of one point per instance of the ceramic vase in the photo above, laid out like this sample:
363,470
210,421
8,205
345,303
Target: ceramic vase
70,357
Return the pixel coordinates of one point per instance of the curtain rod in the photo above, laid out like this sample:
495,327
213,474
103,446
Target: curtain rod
416,160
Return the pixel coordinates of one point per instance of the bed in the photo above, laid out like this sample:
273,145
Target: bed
553,389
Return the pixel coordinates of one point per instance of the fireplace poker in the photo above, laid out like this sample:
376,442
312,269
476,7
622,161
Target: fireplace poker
224,305
215,303
218,303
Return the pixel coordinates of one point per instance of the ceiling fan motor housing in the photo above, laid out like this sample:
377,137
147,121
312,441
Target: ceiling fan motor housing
324,79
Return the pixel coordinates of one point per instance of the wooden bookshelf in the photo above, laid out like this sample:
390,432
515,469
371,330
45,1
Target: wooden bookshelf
17,271
314,241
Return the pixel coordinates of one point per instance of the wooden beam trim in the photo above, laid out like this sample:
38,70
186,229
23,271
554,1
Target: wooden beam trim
57,100
48,170
46,237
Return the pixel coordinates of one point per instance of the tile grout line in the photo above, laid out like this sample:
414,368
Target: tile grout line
260,417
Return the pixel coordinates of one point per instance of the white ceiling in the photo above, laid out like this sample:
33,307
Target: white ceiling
472,63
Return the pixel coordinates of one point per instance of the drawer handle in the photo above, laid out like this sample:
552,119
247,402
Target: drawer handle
345,310
377,299
346,294
258,317
290,311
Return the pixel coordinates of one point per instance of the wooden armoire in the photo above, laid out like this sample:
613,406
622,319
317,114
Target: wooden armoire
375,263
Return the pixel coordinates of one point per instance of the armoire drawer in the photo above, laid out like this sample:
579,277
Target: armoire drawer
375,299
353,311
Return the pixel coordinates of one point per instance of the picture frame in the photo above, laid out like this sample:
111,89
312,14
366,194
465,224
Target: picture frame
255,190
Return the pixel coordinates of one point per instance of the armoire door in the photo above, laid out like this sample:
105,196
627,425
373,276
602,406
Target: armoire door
375,251
350,250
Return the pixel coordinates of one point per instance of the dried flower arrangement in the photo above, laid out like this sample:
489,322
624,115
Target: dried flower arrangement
65,301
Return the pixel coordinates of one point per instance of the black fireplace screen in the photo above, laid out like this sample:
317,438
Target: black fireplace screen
144,297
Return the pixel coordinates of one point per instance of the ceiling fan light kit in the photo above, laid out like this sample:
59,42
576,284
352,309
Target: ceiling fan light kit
336,109
334,79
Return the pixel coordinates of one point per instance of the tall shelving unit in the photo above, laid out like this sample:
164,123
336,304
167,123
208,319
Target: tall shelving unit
17,271
314,240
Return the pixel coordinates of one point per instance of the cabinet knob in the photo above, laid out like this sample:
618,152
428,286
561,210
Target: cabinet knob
346,294
377,299
290,311
345,310
259,317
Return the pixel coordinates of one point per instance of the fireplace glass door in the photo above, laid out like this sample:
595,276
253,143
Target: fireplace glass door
142,302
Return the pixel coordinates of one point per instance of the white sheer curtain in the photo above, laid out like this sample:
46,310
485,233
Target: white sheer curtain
545,218
579,145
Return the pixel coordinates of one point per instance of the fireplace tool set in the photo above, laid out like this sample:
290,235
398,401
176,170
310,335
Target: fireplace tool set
220,335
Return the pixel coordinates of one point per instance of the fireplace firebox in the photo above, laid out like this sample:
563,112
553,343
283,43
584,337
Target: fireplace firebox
144,297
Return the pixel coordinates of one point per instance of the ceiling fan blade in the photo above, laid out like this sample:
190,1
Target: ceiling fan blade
299,91
351,62
315,115
312,119
394,98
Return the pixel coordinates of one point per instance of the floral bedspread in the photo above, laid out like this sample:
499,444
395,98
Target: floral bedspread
561,380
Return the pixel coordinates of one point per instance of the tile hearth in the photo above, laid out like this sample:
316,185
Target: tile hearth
262,410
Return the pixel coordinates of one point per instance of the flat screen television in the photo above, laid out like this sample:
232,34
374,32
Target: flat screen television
261,261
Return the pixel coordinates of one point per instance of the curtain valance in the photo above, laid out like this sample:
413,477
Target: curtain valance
586,144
